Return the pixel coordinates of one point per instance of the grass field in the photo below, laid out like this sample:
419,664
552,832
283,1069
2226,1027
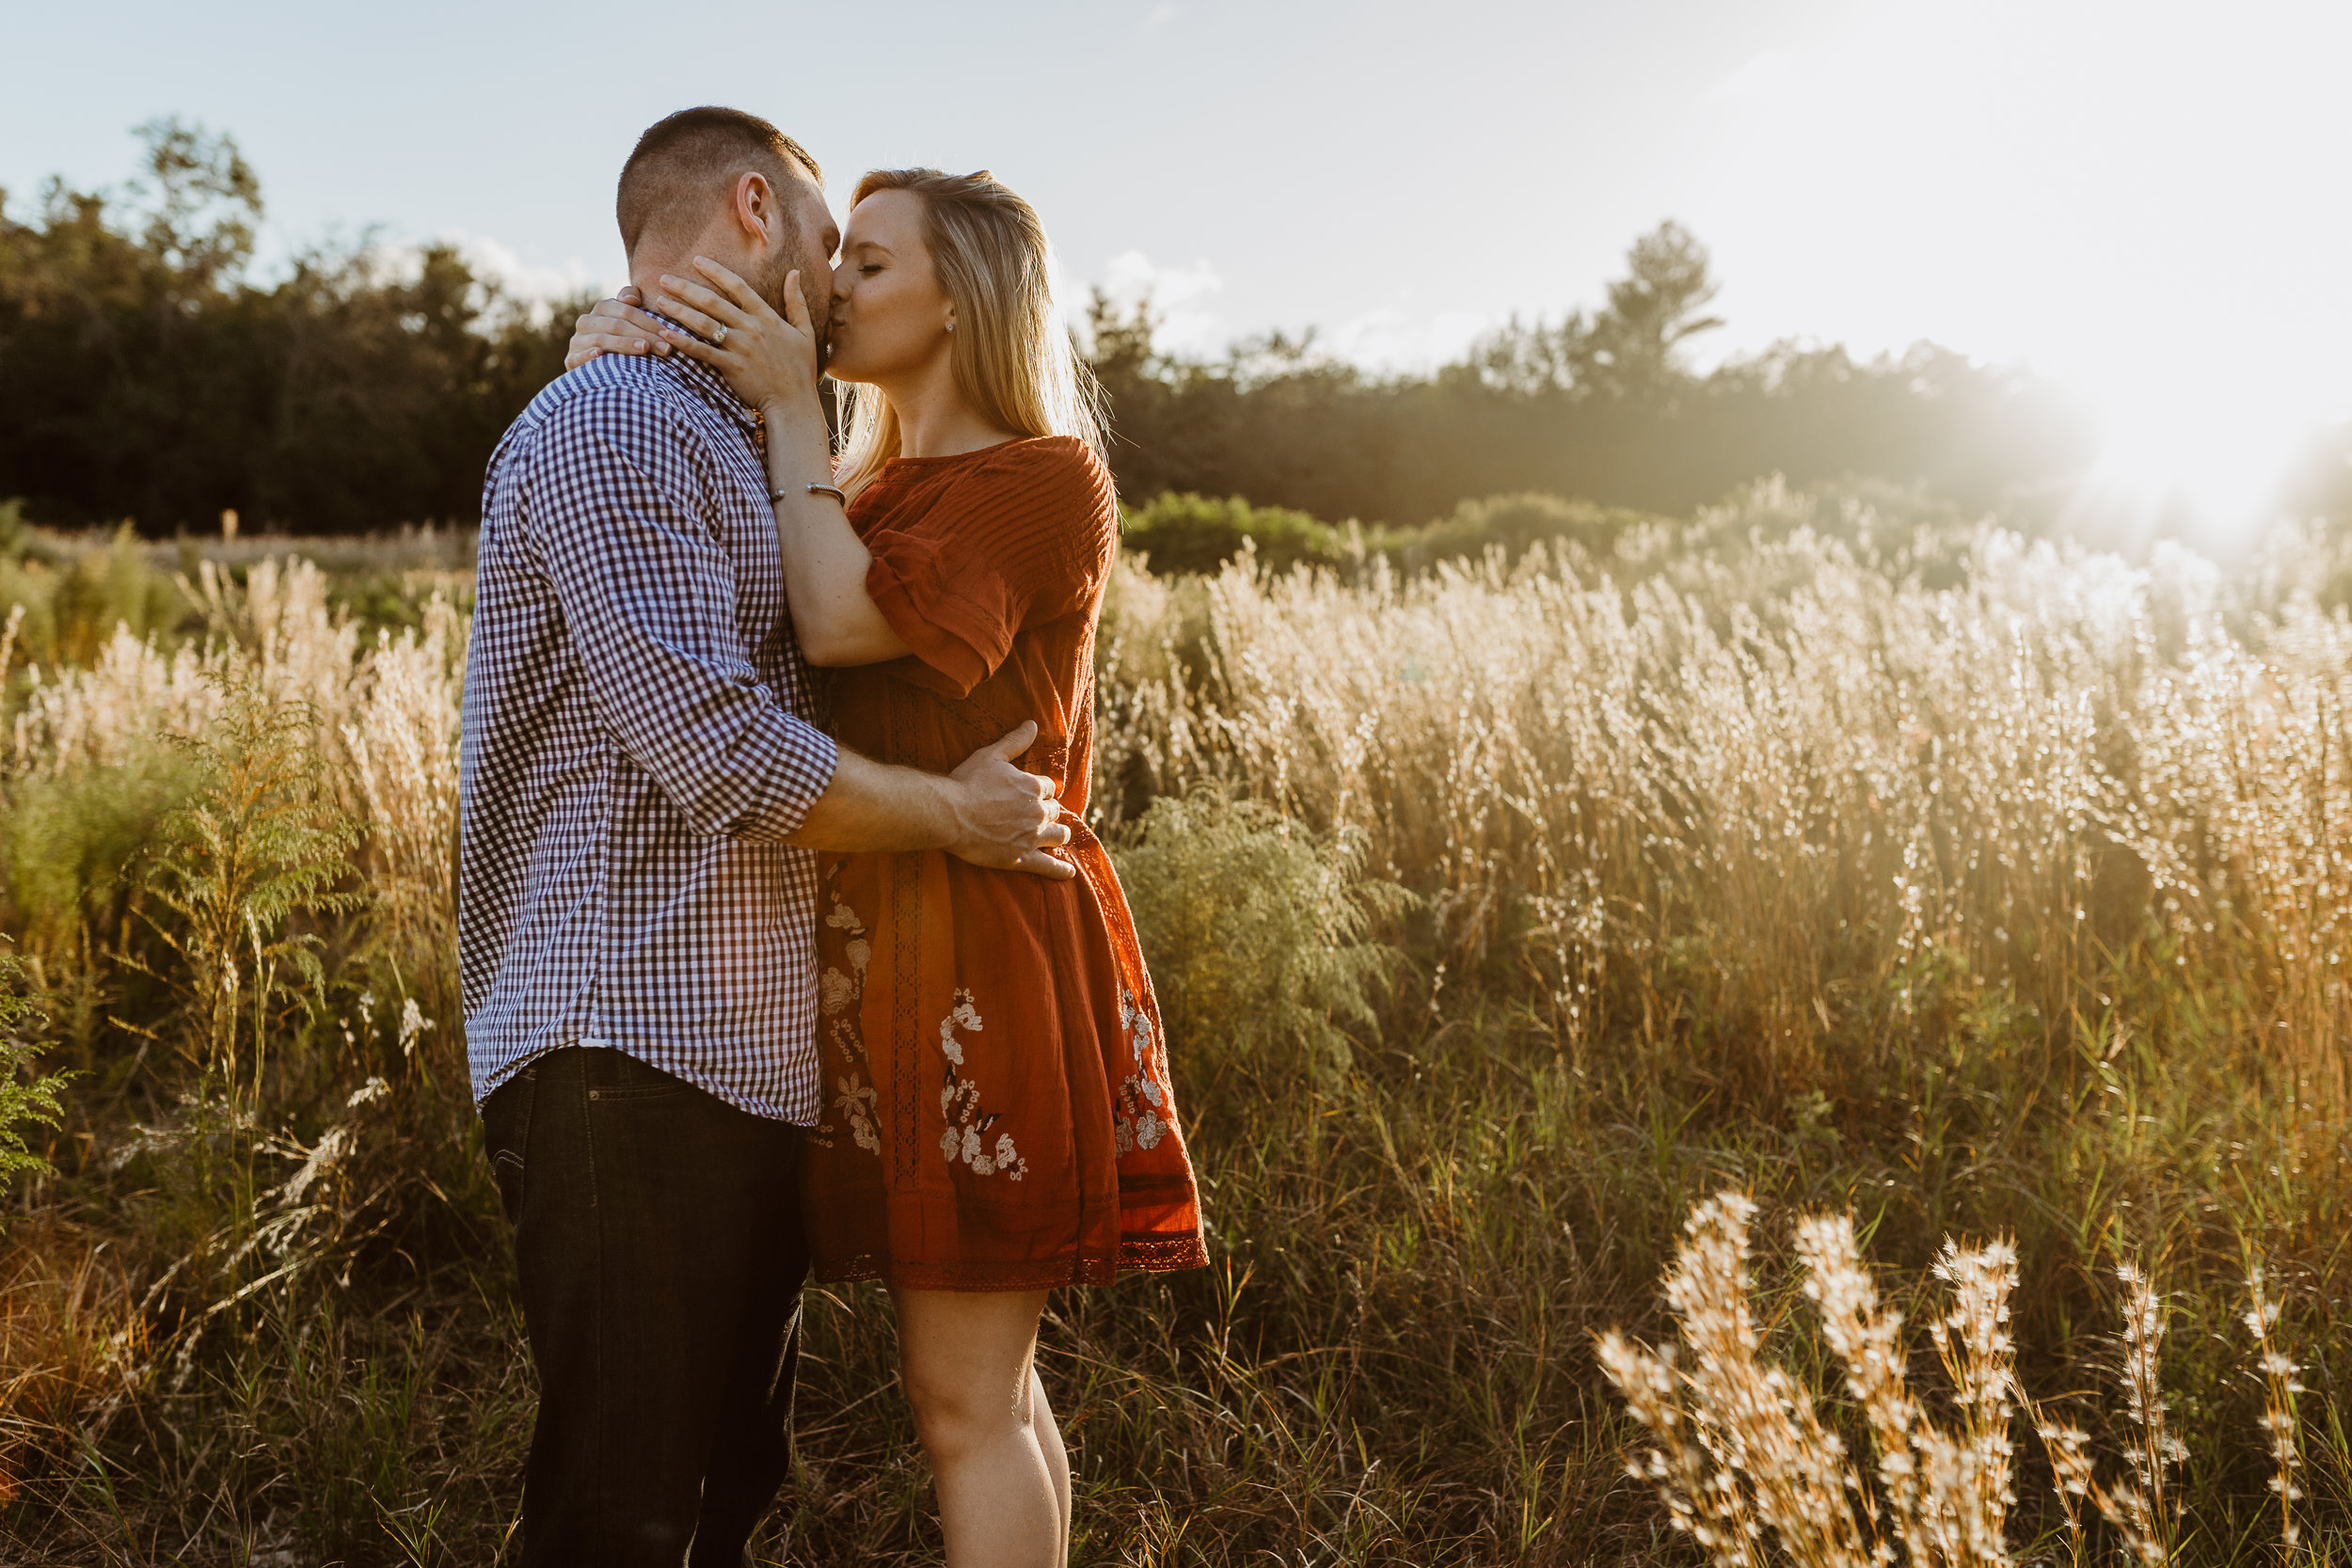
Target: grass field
1504,915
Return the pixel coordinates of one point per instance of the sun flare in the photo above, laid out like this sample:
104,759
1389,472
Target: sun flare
2207,445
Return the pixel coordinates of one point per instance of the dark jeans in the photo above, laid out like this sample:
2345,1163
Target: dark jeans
658,1238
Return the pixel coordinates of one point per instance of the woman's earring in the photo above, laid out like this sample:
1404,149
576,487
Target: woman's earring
951,326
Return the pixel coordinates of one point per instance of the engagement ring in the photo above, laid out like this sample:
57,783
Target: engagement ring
718,337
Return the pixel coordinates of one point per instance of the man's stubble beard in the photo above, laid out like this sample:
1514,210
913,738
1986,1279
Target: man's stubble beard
770,286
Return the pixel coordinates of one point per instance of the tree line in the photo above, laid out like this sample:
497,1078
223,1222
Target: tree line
147,373
1603,407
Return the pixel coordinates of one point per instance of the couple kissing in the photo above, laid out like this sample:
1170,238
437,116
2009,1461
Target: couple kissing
786,947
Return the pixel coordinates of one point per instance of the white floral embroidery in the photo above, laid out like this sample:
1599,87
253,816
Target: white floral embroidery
959,1104
1141,1121
965,1017
838,991
856,1104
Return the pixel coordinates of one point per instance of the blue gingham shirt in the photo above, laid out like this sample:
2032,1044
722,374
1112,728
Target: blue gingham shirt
637,743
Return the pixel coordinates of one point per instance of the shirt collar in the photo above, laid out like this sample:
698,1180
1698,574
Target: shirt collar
709,383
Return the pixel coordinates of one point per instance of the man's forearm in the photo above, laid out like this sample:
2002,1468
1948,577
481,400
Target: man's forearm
987,812
873,806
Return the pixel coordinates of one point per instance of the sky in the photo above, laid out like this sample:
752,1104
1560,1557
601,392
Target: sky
2147,197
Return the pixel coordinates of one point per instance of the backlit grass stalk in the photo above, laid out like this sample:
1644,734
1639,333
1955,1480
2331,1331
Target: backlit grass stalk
2281,1389
1750,1452
2143,1509
1740,1456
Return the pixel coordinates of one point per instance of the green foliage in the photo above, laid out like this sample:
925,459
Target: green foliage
1514,524
257,845
27,1100
1257,931
69,843
1188,533
145,373
1601,405
73,598
1199,533
1627,351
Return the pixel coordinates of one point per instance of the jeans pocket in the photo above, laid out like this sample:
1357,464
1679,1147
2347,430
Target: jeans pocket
624,1078
506,1137
636,1093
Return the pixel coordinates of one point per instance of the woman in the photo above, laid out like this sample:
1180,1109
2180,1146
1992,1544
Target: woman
1000,1115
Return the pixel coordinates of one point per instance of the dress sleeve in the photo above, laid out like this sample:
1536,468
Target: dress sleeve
1022,540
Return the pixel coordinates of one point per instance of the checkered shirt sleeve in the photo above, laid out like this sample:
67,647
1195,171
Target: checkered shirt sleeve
650,598
635,750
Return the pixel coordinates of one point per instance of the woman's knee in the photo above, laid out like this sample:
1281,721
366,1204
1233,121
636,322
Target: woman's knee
959,1414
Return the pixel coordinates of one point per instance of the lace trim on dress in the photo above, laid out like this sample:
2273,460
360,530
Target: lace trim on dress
1136,1255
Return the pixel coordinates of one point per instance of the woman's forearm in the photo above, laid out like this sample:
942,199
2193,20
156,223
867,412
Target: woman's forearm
825,560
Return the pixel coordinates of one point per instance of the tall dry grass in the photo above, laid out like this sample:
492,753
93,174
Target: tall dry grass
1970,887
1753,1465
1843,791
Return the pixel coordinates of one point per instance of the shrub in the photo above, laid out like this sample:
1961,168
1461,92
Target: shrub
1198,533
1257,932
257,845
73,595
1514,524
27,1100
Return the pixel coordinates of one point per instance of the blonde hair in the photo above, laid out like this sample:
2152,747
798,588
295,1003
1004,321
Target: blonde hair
1013,357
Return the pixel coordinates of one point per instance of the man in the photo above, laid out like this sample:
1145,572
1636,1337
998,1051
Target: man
642,789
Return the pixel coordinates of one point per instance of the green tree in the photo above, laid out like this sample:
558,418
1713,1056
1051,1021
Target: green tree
1601,405
146,374
1631,349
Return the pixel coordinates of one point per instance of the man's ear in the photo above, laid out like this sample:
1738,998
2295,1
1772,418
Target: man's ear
758,209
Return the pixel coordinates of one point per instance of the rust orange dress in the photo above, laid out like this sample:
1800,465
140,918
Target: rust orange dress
999,1112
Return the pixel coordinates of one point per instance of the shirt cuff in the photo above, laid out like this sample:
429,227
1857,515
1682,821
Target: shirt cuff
784,766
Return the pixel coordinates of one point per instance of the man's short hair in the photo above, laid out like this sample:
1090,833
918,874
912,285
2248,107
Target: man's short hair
685,166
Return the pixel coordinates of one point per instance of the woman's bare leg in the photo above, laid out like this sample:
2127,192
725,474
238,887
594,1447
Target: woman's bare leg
968,1361
1057,1457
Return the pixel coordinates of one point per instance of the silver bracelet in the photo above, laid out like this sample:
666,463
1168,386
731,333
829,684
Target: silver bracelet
833,490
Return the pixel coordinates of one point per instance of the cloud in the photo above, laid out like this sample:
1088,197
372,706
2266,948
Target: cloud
1160,15
537,281
1392,341
536,286
1179,296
